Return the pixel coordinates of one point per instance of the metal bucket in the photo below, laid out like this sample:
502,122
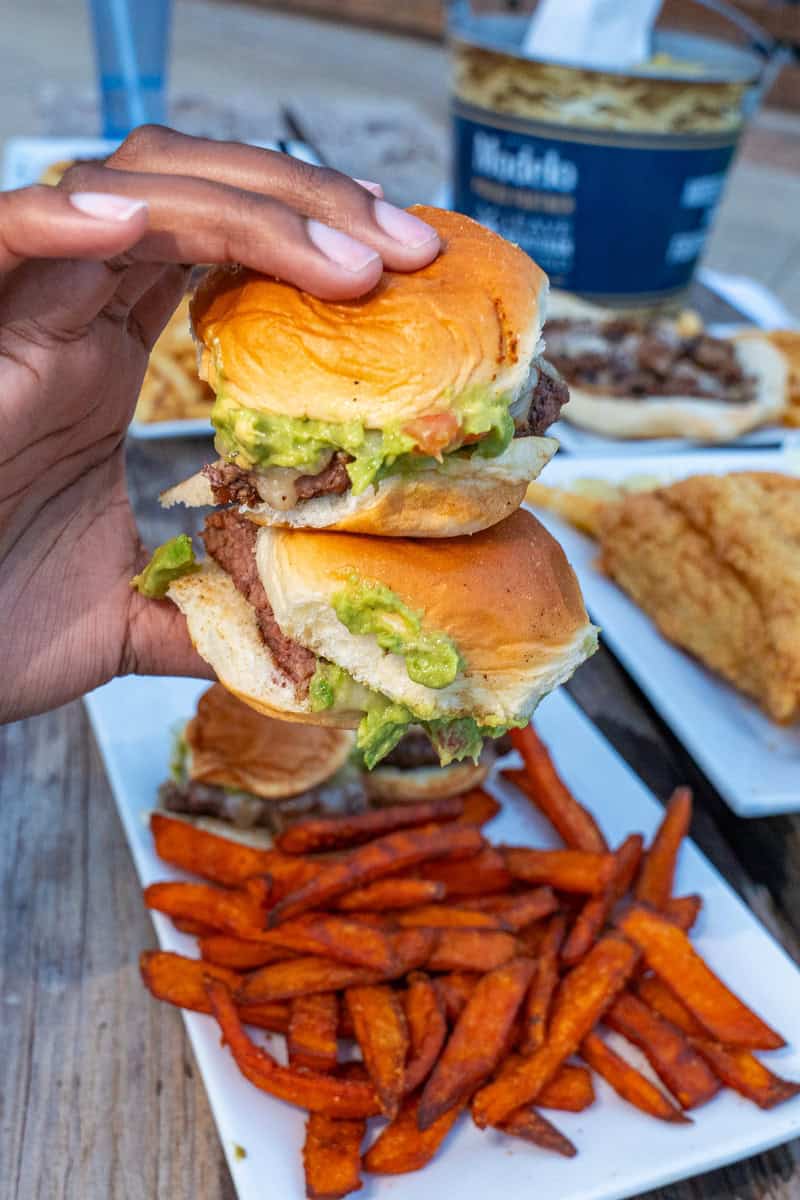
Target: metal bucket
609,179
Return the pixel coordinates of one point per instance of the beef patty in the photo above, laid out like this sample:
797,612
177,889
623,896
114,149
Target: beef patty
416,750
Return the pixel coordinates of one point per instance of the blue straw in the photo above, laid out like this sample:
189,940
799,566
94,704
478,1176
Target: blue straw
122,24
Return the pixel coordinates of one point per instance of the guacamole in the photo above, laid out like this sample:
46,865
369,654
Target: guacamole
170,561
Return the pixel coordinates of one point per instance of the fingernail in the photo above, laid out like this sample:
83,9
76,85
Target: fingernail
402,226
105,206
339,248
375,188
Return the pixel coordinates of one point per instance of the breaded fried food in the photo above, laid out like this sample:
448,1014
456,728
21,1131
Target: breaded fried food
715,561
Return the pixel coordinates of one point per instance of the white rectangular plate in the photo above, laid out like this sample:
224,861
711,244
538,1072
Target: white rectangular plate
584,444
621,1151
753,763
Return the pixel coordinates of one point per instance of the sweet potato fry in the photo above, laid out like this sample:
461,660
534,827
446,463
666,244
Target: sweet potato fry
427,1029
313,1024
385,856
454,990
402,1146
684,910
382,1035
229,910
517,911
656,995
329,1094
627,1082
593,916
336,936
478,1040
412,949
582,997
192,927
300,977
331,833
687,1076
332,1156
386,895
571,1090
536,1009
654,885
445,916
221,859
531,1126
471,950
181,981
479,807
238,954
668,952
477,876
565,870
543,785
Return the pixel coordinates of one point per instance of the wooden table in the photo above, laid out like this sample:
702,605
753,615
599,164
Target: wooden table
100,1096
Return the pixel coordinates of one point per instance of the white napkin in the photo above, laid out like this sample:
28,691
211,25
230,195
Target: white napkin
592,33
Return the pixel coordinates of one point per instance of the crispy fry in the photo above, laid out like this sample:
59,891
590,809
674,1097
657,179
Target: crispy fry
680,1068
192,927
668,952
181,981
382,1034
238,954
536,1009
331,833
301,977
402,1146
336,1097
485,872
517,911
454,990
443,916
571,1090
582,998
220,859
531,1126
388,894
684,910
654,885
656,995
477,1042
565,870
479,807
427,1029
384,856
627,1082
332,1156
313,1024
225,909
335,936
471,950
543,785
593,916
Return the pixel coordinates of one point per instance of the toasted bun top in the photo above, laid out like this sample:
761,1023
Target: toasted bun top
236,747
471,318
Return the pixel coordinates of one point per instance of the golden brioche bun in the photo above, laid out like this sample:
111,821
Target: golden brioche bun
399,785
236,747
506,596
461,495
420,339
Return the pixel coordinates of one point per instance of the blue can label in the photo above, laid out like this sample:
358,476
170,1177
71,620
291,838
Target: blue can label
609,215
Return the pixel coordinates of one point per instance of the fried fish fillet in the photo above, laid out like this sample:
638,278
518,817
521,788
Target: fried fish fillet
715,561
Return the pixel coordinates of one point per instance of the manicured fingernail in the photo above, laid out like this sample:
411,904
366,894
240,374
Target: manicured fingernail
105,206
402,226
375,188
339,248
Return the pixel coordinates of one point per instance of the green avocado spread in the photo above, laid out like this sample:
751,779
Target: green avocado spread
366,607
169,562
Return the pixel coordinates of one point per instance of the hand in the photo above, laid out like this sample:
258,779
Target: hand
89,274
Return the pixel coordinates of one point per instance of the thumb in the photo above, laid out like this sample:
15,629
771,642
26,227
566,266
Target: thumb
158,642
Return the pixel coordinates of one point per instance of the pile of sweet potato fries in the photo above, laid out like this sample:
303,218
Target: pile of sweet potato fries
469,975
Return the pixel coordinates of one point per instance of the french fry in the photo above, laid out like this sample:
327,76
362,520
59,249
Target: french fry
454,990
385,856
654,885
582,997
301,977
574,823
181,981
443,916
570,1090
332,1156
312,1036
657,995
627,1082
471,950
517,911
238,954
336,936
382,1035
531,1126
402,1146
668,951
336,1097
476,1044
687,1076
684,910
220,859
192,927
479,807
332,833
427,1029
386,895
593,916
477,876
228,910
536,1008
565,870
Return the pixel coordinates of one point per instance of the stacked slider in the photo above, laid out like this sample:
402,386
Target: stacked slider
367,563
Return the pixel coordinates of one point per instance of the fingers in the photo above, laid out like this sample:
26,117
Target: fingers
158,642
151,313
57,299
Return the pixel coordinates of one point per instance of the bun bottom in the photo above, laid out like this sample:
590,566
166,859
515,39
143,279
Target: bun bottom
397,785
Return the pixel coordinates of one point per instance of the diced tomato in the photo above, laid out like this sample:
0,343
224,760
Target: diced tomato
433,434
